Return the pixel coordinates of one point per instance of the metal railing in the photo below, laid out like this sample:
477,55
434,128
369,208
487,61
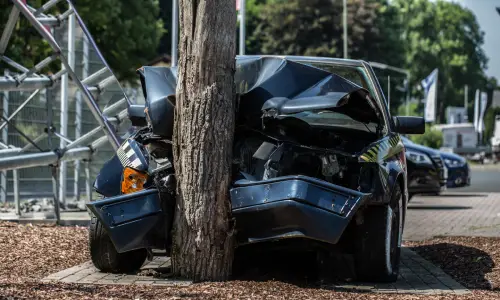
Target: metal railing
89,88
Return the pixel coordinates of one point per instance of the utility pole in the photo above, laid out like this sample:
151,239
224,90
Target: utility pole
175,32
242,26
466,102
345,29
389,92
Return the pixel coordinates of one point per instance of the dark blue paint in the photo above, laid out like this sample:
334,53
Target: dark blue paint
129,218
293,206
108,181
459,172
287,218
308,190
424,177
271,209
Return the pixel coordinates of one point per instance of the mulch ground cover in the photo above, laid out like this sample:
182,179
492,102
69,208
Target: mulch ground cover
31,252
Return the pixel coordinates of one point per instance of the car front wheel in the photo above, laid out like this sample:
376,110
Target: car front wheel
378,251
104,255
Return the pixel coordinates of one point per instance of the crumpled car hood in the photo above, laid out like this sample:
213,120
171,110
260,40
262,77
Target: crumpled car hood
273,83
285,86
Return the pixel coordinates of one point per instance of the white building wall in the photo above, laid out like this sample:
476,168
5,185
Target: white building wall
451,137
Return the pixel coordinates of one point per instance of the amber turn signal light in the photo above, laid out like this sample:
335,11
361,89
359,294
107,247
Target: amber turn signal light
133,180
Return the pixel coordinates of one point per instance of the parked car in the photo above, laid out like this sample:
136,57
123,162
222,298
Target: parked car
458,170
427,173
317,159
478,157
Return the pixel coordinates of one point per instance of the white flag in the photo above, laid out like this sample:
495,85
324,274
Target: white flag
484,101
430,87
476,110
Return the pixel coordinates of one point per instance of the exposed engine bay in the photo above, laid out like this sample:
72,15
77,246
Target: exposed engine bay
327,156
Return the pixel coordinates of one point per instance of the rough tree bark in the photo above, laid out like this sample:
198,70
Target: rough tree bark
203,139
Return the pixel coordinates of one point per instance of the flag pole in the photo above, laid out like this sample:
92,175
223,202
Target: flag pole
344,19
408,96
436,98
466,102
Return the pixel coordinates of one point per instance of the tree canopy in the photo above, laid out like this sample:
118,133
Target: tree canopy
314,27
126,31
418,35
446,36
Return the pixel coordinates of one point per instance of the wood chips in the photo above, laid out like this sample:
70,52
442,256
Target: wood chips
30,252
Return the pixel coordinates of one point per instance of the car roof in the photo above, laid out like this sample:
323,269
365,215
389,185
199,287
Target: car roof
316,59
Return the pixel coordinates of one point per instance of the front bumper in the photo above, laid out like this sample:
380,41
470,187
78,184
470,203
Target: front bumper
425,182
130,219
458,177
291,207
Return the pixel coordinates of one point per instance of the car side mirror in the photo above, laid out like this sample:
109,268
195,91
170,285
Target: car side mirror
137,115
409,125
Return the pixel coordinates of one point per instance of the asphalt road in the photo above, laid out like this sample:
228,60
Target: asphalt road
483,180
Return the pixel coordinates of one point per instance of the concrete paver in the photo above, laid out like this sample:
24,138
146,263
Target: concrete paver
418,276
453,214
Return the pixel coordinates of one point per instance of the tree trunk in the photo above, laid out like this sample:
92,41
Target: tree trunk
203,140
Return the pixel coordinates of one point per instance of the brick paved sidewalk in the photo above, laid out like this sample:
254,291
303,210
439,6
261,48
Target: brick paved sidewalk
418,276
453,214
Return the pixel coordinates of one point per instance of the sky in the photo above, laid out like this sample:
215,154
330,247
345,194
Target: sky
489,21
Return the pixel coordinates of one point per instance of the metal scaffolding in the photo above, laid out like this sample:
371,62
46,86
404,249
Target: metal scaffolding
20,78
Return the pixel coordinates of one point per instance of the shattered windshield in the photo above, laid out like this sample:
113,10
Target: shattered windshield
320,93
356,75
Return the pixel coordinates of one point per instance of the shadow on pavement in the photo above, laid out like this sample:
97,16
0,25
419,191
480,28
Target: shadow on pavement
460,195
439,207
467,265
300,268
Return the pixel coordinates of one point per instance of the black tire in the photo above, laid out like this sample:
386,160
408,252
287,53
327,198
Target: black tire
378,251
104,255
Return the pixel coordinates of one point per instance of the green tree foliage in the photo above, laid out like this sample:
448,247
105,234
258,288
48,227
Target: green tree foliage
314,27
431,138
126,31
299,27
446,36
253,43
166,17
413,110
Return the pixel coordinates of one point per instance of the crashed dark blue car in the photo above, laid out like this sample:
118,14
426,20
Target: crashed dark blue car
317,159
